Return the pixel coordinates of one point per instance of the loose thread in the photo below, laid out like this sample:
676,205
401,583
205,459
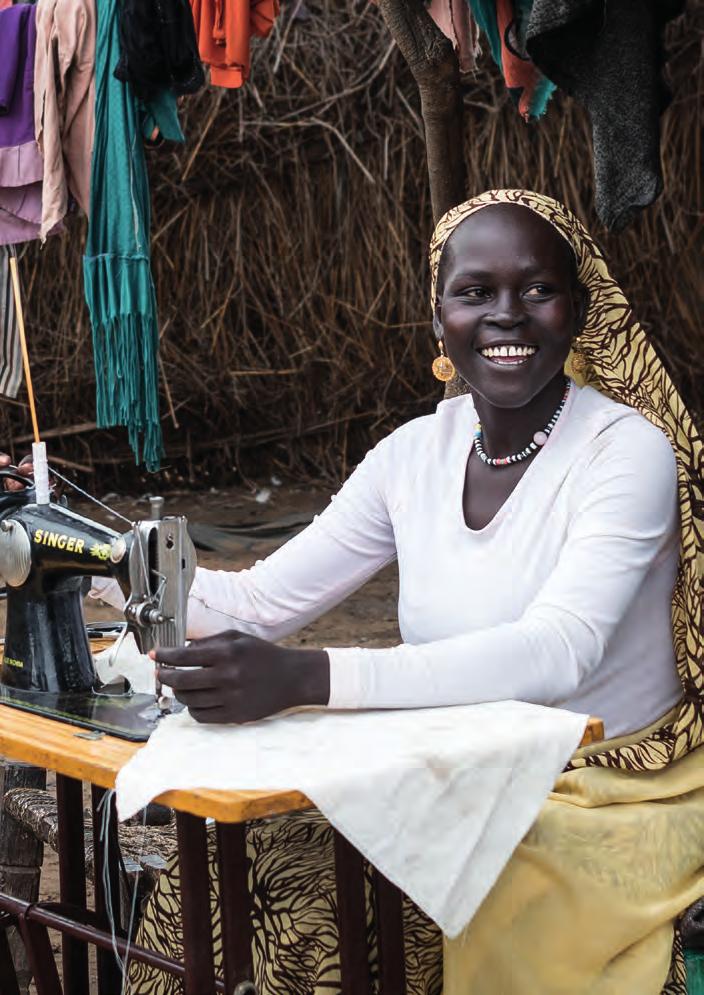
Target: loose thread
91,497
105,807
133,526
133,906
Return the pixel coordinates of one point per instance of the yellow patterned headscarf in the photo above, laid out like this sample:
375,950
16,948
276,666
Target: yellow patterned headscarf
617,359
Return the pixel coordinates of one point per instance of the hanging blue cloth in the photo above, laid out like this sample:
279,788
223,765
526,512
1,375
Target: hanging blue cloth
529,88
484,13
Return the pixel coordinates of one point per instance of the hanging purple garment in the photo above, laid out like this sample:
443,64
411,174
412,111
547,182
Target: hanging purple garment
21,166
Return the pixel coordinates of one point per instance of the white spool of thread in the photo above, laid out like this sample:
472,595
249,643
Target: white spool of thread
41,472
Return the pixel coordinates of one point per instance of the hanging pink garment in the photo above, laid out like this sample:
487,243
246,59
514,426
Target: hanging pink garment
455,21
64,104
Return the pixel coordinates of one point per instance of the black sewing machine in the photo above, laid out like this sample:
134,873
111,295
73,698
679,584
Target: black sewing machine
46,553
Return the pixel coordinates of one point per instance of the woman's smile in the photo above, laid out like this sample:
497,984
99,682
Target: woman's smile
507,354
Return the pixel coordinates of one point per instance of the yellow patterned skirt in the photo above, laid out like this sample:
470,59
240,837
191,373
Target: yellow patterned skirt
589,901
587,904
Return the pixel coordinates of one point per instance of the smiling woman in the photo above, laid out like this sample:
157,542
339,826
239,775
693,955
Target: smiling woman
508,307
551,555
507,283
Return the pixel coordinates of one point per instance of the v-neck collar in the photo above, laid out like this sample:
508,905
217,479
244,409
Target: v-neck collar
546,459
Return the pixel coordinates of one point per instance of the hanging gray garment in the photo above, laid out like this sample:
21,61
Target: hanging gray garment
609,57
10,349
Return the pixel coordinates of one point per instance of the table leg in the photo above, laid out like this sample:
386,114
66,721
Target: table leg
351,918
41,958
389,917
235,905
195,905
8,975
106,856
72,878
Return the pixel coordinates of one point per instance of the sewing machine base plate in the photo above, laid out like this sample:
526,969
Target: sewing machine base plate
118,714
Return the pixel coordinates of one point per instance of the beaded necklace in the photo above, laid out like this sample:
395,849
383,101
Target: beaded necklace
539,439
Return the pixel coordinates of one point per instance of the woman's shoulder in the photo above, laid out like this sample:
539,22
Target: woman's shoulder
622,452
422,429
428,432
616,426
420,446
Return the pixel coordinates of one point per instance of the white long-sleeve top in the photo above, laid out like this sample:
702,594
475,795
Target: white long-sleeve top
563,599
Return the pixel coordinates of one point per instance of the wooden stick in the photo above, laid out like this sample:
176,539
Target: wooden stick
23,343
71,465
59,433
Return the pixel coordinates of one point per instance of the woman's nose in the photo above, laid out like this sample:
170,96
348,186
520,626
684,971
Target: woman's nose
508,311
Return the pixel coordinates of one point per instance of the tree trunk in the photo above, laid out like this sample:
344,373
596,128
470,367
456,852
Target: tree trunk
432,59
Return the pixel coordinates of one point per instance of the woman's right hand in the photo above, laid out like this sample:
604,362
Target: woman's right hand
25,468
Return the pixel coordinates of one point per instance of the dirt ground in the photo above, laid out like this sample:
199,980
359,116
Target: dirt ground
367,617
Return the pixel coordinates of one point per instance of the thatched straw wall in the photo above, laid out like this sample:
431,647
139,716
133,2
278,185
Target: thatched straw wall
289,256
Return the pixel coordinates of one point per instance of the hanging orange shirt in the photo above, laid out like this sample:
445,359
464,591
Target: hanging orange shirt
224,29
522,75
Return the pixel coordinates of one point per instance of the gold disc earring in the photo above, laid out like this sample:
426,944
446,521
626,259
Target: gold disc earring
578,362
443,367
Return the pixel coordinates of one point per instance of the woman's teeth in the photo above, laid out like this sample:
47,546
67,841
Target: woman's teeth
511,355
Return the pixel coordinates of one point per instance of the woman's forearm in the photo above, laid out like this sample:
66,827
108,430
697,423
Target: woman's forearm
539,661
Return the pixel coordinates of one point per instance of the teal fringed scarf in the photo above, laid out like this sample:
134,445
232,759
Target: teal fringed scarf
116,269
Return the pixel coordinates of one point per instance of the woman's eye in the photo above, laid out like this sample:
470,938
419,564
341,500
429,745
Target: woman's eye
476,293
538,290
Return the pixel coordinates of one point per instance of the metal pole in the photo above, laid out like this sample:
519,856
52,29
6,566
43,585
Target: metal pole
72,878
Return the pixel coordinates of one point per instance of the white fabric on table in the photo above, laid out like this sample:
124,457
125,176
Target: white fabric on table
436,799
126,661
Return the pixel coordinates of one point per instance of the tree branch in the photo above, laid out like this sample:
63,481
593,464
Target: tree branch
432,59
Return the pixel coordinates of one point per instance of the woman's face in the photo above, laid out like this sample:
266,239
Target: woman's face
509,286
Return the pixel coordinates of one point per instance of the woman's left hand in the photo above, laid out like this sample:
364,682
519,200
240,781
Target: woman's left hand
239,678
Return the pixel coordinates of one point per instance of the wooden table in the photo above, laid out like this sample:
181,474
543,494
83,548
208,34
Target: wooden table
63,748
